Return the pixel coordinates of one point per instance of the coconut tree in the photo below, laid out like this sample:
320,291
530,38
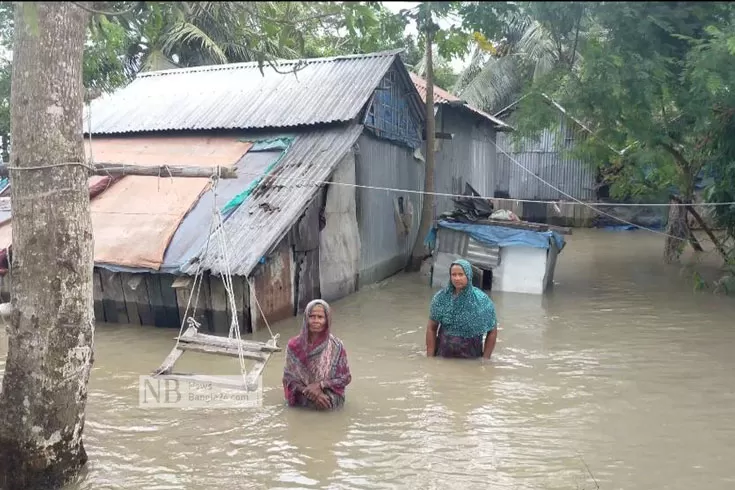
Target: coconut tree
534,39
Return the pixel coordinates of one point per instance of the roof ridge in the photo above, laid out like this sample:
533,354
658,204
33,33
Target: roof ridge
282,62
418,79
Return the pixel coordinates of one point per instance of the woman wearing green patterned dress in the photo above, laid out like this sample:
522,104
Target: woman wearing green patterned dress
462,321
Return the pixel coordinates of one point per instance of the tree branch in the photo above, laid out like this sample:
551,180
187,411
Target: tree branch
103,12
683,162
285,20
706,229
576,39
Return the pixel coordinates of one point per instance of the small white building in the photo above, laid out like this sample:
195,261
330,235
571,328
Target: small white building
507,259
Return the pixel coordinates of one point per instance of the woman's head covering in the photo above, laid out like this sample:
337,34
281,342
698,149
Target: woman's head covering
304,334
311,361
466,267
470,314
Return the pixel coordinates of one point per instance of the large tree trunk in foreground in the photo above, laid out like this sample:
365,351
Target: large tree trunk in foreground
51,335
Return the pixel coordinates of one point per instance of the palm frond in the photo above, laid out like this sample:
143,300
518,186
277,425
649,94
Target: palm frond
188,34
477,60
496,85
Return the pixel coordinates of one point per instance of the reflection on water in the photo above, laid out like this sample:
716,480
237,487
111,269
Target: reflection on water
621,369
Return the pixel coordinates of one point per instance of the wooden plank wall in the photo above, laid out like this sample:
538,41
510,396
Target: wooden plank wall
161,299
305,239
273,285
287,281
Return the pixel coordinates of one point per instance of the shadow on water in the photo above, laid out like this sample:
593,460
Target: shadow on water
620,368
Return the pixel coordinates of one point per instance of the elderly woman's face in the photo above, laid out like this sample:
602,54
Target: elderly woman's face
459,278
317,319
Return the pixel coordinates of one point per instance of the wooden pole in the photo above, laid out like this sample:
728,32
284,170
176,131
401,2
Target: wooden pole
709,233
113,169
419,252
690,209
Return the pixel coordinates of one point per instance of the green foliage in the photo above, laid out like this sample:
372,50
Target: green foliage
491,19
103,64
630,90
711,77
452,41
161,35
530,39
369,28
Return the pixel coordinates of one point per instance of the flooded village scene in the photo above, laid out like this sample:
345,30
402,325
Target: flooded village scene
367,245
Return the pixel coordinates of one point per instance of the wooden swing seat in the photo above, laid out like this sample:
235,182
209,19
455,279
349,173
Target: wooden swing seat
195,341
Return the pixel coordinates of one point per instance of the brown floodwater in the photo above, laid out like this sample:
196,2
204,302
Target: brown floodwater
623,376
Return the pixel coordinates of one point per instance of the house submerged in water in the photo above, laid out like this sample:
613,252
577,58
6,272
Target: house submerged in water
510,256
297,227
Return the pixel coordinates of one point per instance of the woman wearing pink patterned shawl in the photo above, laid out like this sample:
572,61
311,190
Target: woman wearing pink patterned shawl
316,372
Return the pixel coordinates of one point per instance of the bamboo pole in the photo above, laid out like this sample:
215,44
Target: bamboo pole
115,169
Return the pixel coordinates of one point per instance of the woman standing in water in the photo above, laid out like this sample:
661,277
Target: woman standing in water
462,314
316,372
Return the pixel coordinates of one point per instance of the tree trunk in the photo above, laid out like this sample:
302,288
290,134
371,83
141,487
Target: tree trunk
677,231
51,334
427,209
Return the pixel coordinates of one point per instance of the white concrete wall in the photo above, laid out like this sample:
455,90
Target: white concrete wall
521,270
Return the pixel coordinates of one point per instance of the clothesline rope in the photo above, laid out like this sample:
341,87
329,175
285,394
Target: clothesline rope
429,193
439,194
305,181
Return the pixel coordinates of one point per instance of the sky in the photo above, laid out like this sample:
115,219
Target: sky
457,64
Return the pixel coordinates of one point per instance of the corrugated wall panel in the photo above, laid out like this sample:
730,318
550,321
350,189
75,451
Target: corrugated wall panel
574,177
384,250
460,244
470,157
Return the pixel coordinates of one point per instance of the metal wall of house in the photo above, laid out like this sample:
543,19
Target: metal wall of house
384,248
469,157
542,157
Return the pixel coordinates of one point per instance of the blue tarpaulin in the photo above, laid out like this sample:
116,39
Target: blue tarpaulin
502,236
193,230
275,144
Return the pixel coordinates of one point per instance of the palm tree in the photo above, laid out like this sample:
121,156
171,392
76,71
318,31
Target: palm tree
171,34
528,49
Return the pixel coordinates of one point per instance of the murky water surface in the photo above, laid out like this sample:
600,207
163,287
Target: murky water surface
622,376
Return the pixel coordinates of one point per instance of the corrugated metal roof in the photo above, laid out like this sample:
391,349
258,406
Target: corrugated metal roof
276,204
191,235
238,96
443,97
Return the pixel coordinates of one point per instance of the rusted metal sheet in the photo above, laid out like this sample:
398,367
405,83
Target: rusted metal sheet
238,96
307,278
305,235
305,240
273,288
